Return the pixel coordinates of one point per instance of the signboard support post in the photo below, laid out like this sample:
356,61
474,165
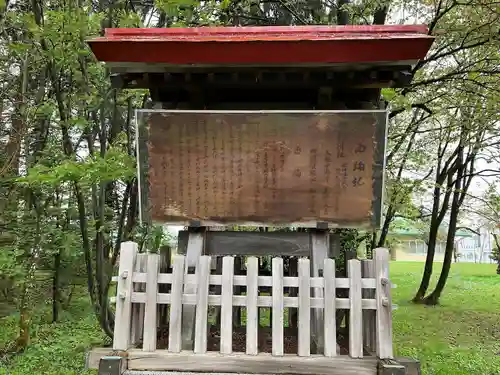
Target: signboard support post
195,249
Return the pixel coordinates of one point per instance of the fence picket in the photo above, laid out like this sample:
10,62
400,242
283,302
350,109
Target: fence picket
304,337
330,327
356,310
251,305
384,304
128,254
150,307
175,334
277,308
202,285
226,321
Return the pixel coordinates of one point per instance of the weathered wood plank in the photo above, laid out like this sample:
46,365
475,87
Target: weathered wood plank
150,307
202,284
249,129
356,310
369,324
251,306
193,254
304,337
259,364
330,325
226,322
137,320
258,243
161,360
128,254
384,304
319,245
278,307
174,334
262,301
264,281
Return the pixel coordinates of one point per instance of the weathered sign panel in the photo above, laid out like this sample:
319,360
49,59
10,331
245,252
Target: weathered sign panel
266,167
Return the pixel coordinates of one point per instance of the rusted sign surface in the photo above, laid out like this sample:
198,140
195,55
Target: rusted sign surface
262,167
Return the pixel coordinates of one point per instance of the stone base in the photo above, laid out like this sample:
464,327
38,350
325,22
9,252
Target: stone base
112,365
399,366
411,365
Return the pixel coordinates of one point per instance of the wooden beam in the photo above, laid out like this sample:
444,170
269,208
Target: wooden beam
258,243
240,363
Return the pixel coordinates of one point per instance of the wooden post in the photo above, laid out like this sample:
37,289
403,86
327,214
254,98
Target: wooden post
319,246
369,326
277,307
330,326
226,323
193,254
128,254
150,307
252,306
355,309
174,334
202,284
136,332
304,336
384,304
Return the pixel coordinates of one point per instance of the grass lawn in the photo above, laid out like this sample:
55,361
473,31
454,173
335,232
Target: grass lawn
462,336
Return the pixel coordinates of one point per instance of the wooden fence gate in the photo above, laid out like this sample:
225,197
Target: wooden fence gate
141,302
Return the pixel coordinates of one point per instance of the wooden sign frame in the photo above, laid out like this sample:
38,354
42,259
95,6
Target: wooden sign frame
275,198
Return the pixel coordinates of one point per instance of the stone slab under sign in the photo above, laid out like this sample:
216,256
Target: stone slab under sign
258,167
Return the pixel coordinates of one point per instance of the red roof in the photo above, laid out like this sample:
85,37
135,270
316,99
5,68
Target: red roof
281,45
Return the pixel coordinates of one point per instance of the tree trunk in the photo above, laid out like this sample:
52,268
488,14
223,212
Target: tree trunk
55,287
497,243
433,298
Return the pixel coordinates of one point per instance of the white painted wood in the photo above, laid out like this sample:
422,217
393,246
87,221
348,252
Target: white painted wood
263,301
356,310
226,321
278,307
128,253
174,334
161,360
369,323
288,281
251,306
330,328
150,307
193,254
384,304
319,245
136,331
304,321
200,335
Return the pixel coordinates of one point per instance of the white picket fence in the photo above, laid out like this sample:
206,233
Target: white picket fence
369,303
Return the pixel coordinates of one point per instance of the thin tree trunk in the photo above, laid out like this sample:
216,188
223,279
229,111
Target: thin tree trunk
433,298
497,242
55,287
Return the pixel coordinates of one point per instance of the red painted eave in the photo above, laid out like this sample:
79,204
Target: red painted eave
282,45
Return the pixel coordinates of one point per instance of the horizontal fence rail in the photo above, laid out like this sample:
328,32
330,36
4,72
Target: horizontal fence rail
139,294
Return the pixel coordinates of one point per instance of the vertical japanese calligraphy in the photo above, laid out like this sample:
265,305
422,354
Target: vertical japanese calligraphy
274,168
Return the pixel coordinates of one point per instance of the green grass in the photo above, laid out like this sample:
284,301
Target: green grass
462,334
56,349
459,337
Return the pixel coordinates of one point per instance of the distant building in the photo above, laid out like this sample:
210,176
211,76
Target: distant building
407,244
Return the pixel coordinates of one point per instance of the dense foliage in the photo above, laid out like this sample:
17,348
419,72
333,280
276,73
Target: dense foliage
68,193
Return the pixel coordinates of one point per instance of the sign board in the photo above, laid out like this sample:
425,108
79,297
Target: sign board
262,167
